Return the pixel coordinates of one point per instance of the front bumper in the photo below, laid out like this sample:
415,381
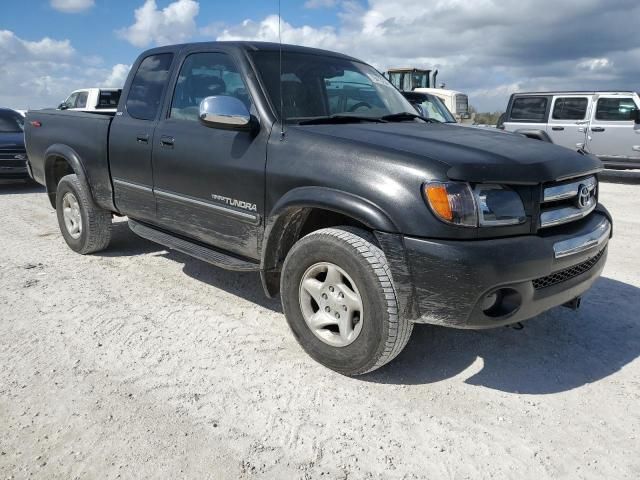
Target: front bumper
452,279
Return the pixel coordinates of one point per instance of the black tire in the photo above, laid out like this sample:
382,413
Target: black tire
96,222
383,333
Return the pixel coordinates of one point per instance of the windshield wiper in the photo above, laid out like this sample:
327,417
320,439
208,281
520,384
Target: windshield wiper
337,119
402,116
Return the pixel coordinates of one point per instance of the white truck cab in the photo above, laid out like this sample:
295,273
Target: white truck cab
457,102
605,123
423,81
92,100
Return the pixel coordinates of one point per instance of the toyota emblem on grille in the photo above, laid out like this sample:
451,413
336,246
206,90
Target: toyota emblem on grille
19,157
584,196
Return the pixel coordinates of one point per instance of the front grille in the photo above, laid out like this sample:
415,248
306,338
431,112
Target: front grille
12,163
10,153
564,202
567,273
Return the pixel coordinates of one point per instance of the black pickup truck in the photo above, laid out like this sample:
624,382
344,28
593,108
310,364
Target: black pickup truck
315,172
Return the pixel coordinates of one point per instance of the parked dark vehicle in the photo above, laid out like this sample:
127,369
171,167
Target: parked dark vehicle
13,155
363,217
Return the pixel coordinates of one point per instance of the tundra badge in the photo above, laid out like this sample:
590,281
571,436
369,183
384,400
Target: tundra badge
232,202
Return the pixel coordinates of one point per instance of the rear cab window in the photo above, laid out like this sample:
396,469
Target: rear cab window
148,85
531,109
108,99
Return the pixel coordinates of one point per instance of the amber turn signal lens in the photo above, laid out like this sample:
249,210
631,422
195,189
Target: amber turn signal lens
452,202
439,200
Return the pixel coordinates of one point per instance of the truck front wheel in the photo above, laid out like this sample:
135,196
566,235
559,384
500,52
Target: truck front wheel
340,302
85,226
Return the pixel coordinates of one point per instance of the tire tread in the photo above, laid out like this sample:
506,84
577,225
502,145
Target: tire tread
99,220
400,329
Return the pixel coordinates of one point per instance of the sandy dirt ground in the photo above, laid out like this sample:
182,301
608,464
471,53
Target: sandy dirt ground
144,363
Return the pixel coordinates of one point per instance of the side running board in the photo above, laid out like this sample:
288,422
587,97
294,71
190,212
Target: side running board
206,254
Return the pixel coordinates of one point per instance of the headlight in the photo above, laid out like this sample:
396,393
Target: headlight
498,205
485,205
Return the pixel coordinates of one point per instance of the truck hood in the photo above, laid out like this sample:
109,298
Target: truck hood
11,140
468,154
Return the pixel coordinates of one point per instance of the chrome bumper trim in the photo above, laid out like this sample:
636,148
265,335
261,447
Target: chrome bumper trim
579,244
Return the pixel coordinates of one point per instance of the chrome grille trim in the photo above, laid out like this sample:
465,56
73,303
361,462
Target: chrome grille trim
558,216
568,190
562,201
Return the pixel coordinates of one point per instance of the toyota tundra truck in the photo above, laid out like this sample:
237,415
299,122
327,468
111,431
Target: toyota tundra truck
309,167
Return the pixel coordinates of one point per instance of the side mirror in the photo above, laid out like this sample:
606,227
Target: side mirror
63,106
226,113
635,116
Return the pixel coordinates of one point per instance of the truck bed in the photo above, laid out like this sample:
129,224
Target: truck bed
88,144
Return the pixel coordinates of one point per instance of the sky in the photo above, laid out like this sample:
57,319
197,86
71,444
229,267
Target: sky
485,48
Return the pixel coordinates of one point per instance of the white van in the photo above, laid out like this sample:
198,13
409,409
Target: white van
606,124
93,100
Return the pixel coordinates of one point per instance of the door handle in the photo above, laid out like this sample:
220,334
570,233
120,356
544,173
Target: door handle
142,138
557,129
597,129
166,141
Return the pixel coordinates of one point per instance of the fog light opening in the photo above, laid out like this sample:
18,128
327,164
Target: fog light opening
501,303
489,301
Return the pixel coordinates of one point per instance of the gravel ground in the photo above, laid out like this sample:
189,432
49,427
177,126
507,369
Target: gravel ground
143,363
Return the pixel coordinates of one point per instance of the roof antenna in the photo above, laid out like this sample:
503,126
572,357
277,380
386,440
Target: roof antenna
282,119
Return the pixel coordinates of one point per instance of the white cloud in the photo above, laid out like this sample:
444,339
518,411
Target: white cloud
594,64
117,76
267,31
72,6
13,48
42,73
487,48
173,24
320,3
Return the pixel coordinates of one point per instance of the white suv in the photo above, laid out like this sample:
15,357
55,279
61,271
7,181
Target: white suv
606,124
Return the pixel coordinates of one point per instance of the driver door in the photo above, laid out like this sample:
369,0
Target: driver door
209,182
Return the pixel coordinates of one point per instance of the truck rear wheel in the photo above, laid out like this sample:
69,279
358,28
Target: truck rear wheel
339,299
85,227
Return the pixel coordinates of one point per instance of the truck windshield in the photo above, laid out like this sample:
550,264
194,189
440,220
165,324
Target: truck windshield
11,122
433,107
316,86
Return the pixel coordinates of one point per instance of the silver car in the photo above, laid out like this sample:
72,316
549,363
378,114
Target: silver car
606,124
